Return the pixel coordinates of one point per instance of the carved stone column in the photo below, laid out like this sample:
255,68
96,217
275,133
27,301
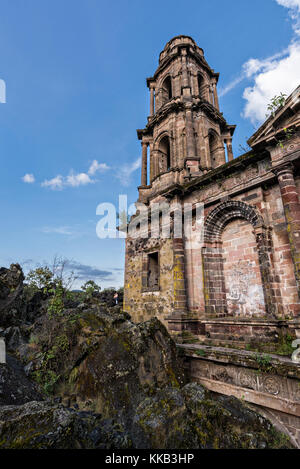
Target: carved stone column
229,149
152,108
185,78
207,93
180,303
152,167
190,134
290,199
265,270
215,93
144,164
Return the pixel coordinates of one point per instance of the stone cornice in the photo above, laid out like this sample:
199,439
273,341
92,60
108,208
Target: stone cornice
221,172
176,105
238,163
169,58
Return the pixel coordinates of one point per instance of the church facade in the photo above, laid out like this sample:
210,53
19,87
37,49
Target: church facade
241,283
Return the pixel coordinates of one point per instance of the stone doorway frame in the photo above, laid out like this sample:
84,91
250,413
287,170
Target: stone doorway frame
213,260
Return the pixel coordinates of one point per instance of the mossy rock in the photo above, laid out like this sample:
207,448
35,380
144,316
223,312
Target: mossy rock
103,357
42,425
193,418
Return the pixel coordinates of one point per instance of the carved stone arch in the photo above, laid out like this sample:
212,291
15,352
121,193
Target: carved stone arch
213,256
226,212
202,85
166,88
163,133
163,77
163,151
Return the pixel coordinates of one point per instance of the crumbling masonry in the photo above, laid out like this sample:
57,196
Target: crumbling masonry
239,290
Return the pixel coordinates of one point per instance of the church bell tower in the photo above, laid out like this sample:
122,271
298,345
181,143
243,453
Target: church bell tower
186,135
186,139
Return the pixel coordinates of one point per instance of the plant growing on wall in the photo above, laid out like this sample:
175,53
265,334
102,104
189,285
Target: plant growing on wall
276,103
288,133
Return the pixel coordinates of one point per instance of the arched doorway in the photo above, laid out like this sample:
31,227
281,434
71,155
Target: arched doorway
236,245
167,90
165,154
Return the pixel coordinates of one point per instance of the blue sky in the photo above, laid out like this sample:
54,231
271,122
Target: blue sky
75,94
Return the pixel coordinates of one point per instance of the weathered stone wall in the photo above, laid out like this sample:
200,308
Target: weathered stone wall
279,285
266,199
282,259
248,265
138,302
243,283
239,286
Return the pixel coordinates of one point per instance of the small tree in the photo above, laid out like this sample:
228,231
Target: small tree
90,288
62,273
45,277
54,281
40,278
56,303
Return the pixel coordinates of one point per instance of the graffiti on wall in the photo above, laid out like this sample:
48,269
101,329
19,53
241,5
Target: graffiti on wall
245,295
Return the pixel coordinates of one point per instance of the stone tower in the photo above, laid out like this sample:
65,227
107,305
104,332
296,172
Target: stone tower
237,286
247,265
185,132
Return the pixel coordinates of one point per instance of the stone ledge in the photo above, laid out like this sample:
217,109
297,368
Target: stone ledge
271,387
280,365
252,396
250,322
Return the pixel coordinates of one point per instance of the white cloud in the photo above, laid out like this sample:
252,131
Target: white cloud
55,183
63,230
277,74
251,68
293,4
28,178
294,12
72,180
231,85
124,172
95,167
254,66
75,179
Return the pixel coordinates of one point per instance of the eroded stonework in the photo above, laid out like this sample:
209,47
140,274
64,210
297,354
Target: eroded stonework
273,389
239,285
248,265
